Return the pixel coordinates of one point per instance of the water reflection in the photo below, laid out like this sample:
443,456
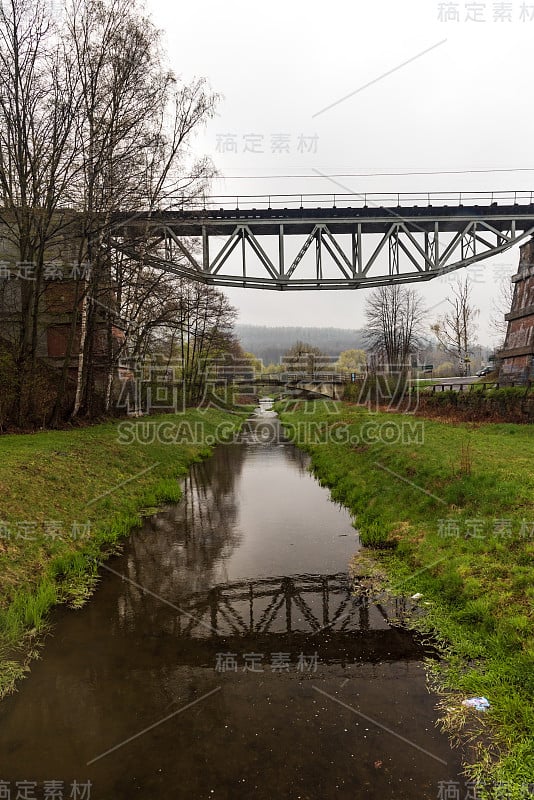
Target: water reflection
326,614
177,551
309,604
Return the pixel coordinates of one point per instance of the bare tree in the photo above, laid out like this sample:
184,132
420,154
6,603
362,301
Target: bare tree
135,126
304,357
206,333
456,331
193,334
36,160
91,119
395,319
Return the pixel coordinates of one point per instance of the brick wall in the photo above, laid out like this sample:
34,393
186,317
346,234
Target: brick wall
517,357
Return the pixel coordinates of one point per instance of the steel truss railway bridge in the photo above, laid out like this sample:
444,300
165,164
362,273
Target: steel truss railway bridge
338,241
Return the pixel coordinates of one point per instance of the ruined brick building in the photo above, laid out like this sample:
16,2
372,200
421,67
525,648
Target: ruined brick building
516,359
64,278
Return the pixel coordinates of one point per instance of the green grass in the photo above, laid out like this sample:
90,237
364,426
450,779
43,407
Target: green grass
67,499
457,511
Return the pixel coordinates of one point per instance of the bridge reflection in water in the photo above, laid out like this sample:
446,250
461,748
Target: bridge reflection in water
327,614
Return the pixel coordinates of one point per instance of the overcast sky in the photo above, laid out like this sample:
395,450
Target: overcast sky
466,104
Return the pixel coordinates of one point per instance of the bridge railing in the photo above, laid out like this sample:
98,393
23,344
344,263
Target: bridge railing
265,202
303,377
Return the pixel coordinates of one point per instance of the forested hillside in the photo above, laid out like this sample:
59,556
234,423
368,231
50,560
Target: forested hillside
270,344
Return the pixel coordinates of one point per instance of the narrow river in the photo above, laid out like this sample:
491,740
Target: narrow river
226,655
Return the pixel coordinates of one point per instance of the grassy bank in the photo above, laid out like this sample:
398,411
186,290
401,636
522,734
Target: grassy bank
450,509
67,498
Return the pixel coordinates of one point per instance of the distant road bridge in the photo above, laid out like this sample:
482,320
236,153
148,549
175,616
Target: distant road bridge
343,241
327,384
285,378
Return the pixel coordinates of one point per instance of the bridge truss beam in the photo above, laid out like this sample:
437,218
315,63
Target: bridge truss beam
349,248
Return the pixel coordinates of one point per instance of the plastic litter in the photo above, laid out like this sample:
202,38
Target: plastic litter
478,703
416,596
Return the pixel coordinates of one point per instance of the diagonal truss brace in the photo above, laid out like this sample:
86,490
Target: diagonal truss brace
404,252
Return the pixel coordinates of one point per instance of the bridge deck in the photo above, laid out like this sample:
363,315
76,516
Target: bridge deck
262,222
